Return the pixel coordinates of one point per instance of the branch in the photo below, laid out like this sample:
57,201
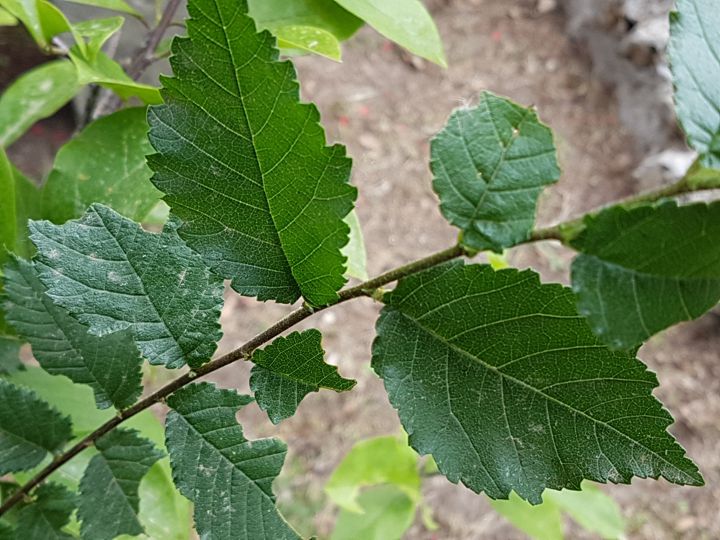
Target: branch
145,56
368,288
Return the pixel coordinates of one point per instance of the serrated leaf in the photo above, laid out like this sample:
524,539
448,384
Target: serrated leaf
110,364
490,163
382,460
694,52
499,378
644,269
105,163
36,94
29,429
115,5
387,513
324,14
112,275
46,516
354,250
97,32
406,22
269,214
227,477
308,39
109,499
289,369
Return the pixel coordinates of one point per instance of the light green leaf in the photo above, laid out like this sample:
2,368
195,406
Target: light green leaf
35,95
309,39
105,163
27,206
29,429
111,274
324,14
387,513
406,22
289,369
115,5
491,163
97,32
7,19
108,73
695,62
109,499
227,477
498,377
8,217
41,18
540,522
647,268
47,515
9,353
110,365
279,198
354,250
382,460
592,509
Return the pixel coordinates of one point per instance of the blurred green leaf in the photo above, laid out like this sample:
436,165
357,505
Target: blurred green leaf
8,218
354,250
7,18
41,18
540,522
97,32
386,513
592,509
27,207
10,354
308,39
115,5
323,14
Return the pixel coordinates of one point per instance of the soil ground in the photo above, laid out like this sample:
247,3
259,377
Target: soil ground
385,107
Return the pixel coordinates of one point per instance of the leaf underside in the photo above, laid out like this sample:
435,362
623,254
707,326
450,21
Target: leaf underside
289,369
499,378
227,477
244,164
111,275
490,164
661,267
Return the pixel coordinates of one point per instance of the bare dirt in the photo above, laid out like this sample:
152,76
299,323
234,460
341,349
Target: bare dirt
385,107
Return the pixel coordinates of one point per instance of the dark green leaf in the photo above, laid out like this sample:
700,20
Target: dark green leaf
6,532
29,429
110,364
268,214
111,275
491,163
289,369
10,354
499,378
109,498
323,14
105,163
647,268
387,513
695,62
227,477
46,516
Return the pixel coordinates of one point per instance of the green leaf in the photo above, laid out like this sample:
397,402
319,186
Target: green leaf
289,369
110,364
406,22
8,217
105,163
354,250
6,532
46,516
111,274
42,19
491,163
647,268
309,39
323,14
387,513
115,5
7,19
695,61
10,354
29,429
499,378
592,509
382,460
35,95
540,522
269,214
27,206
109,74
227,477
109,498
97,32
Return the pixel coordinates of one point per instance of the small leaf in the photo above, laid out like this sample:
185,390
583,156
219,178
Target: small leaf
227,477
97,32
406,22
354,250
540,522
695,62
387,513
308,39
116,143
498,377
111,275
647,268
36,94
289,369
110,365
382,460
8,218
28,430
491,163
45,517
115,5
109,498
278,200
324,14
592,509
